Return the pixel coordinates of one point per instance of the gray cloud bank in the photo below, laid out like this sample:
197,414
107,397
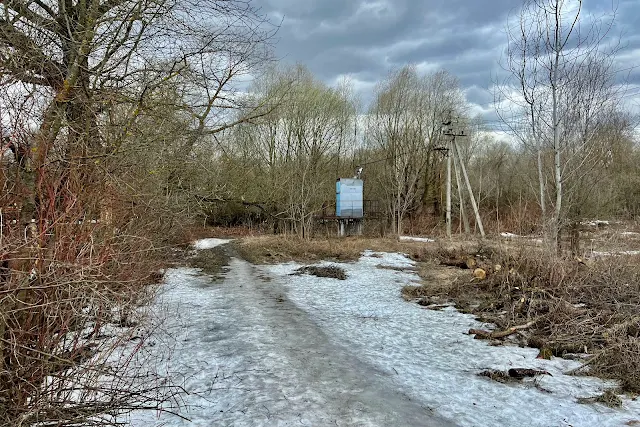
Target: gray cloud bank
365,39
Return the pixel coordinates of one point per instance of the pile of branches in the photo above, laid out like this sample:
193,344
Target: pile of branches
561,306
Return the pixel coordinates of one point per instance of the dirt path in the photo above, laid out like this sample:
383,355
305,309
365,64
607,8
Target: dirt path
251,357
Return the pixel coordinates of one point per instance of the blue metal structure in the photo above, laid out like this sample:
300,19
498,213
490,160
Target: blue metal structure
349,198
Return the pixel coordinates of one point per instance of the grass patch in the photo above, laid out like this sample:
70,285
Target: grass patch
278,249
331,271
608,398
413,292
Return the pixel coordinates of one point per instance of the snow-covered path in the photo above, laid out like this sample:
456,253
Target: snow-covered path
256,359
266,348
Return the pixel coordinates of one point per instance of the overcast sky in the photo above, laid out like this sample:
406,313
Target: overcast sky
366,39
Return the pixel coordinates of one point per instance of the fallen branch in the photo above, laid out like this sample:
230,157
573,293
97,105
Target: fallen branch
468,263
520,373
486,335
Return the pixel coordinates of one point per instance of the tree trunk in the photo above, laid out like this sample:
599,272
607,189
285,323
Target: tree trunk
557,220
543,196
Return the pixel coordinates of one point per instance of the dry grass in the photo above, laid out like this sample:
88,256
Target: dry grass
608,398
576,308
211,261
276,249
331,271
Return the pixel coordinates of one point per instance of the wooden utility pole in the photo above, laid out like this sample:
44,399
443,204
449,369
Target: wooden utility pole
455,152
448,211
448,130
463,210
466,180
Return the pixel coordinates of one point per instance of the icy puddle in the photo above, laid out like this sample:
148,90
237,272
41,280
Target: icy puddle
267,348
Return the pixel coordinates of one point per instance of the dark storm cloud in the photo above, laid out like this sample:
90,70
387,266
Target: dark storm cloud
365,39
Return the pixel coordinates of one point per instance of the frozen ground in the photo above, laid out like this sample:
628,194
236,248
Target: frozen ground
248,356
264,347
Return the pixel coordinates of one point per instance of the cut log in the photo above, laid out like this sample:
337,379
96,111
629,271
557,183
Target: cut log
455,263
480,274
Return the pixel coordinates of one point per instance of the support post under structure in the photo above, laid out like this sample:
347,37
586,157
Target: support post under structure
350,226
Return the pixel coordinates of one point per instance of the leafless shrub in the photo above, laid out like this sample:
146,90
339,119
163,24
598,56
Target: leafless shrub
71,287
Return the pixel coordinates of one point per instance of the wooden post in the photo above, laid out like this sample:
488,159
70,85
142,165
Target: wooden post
448,209
463,211
471,196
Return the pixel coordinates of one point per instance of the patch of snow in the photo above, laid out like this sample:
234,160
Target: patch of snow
429,356
209,243
247,356
267,348
509,235
595,223
415,239
614,253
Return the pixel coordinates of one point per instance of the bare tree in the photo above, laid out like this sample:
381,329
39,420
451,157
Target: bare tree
86,84
295,150
562,85
405,124
85,58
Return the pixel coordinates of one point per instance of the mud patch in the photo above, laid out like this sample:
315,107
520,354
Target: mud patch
214,261
512,375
